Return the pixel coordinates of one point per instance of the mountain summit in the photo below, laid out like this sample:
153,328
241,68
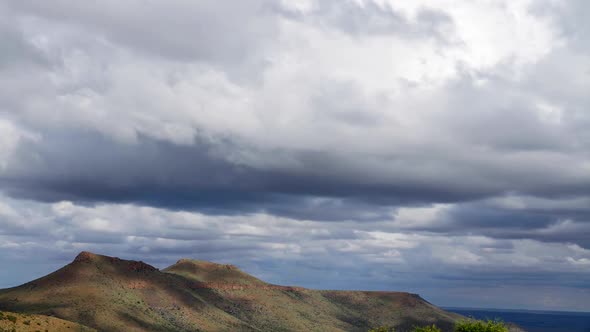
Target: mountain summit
113,294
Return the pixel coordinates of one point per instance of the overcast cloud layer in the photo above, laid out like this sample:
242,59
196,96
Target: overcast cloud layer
438,147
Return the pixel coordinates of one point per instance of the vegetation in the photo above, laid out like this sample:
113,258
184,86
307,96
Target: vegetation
382,329
19,322
480,326
432,328
470,325
7,317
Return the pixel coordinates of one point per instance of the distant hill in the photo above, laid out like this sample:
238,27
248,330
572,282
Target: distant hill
111,294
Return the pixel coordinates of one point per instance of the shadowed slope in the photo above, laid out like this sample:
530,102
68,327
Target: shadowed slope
111,294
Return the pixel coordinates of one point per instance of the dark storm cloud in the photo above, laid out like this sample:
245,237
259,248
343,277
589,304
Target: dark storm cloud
482,216
566,224
515,276
88,167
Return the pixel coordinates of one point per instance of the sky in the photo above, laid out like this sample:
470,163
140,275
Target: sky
439,147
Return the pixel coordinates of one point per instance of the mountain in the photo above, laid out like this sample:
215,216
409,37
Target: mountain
112,294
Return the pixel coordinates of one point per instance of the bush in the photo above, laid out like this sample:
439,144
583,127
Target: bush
480,326
382,329
432,328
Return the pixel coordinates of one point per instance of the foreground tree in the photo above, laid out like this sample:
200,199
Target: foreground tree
470,325
480,326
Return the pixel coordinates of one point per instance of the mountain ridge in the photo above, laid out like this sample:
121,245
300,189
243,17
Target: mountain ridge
112,294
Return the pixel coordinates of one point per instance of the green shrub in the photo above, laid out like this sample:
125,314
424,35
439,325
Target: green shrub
432,328
480,326
382,329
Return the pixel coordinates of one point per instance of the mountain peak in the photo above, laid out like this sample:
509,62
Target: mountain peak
86,257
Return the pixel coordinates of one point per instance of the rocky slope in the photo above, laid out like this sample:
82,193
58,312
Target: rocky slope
111,294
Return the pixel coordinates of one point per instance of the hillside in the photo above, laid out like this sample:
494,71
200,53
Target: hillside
111,294
10,321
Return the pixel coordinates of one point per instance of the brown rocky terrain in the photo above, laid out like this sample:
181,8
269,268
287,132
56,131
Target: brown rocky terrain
112,294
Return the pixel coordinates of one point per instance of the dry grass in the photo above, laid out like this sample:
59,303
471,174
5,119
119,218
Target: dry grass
10,321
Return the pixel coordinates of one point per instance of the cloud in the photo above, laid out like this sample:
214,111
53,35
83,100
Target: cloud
358,253
441,132
184,30
368,18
